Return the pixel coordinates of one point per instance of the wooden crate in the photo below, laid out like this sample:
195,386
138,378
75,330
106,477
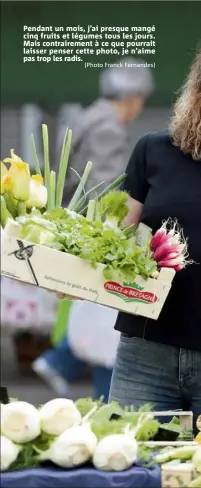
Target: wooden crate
62,272
177,475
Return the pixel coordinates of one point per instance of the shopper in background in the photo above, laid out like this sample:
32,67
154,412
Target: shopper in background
101,136
101,132
83,346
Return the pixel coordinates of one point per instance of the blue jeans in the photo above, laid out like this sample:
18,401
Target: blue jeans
147,372
62,360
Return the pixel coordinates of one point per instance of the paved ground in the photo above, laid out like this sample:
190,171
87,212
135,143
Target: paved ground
29,389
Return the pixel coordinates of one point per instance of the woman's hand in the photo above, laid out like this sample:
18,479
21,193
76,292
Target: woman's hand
134,213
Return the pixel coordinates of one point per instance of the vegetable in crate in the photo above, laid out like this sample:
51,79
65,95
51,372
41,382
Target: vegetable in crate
19,190
169,248
113,209
97,238
92,240
24,192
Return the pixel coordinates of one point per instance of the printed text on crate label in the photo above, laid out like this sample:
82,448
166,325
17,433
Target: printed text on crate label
130,292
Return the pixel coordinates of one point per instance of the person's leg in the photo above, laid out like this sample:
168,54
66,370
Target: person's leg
57,366
190,381
62,359
146,372
101,378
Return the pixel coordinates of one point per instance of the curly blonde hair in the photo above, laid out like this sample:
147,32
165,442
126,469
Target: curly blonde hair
185,125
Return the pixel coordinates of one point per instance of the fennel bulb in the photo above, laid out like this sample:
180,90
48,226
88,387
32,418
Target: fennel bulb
9,452
72,448
58,415
196,460
20,422
115,452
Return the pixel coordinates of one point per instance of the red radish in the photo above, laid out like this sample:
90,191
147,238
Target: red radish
171,233
179,267
162,250
169,248
156,239
176,239
181,247
173,255
155,274
170,263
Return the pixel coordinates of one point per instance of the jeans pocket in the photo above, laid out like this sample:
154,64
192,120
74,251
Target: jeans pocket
124,338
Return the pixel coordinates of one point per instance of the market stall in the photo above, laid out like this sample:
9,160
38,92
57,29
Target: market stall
137,477
87,443
92,444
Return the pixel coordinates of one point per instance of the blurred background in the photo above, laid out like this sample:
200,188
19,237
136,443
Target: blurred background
34,93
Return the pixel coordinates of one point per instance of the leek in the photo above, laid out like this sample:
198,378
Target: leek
63,166
116,183
82,183
184,453
82,200
35,156
91,210
46,162
98,212
52,189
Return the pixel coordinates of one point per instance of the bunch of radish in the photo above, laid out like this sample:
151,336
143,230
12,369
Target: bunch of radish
169,247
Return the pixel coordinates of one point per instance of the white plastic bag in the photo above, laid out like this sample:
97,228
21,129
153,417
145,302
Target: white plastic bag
25,307
91,333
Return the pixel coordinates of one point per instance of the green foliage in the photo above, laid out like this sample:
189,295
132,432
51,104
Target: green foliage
28,456
92,241
114,204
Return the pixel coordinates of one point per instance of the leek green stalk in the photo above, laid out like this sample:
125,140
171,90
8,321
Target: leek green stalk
91,210
83,199
52,189
35,156
63,166
46,162
109,188
98,212
81,185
